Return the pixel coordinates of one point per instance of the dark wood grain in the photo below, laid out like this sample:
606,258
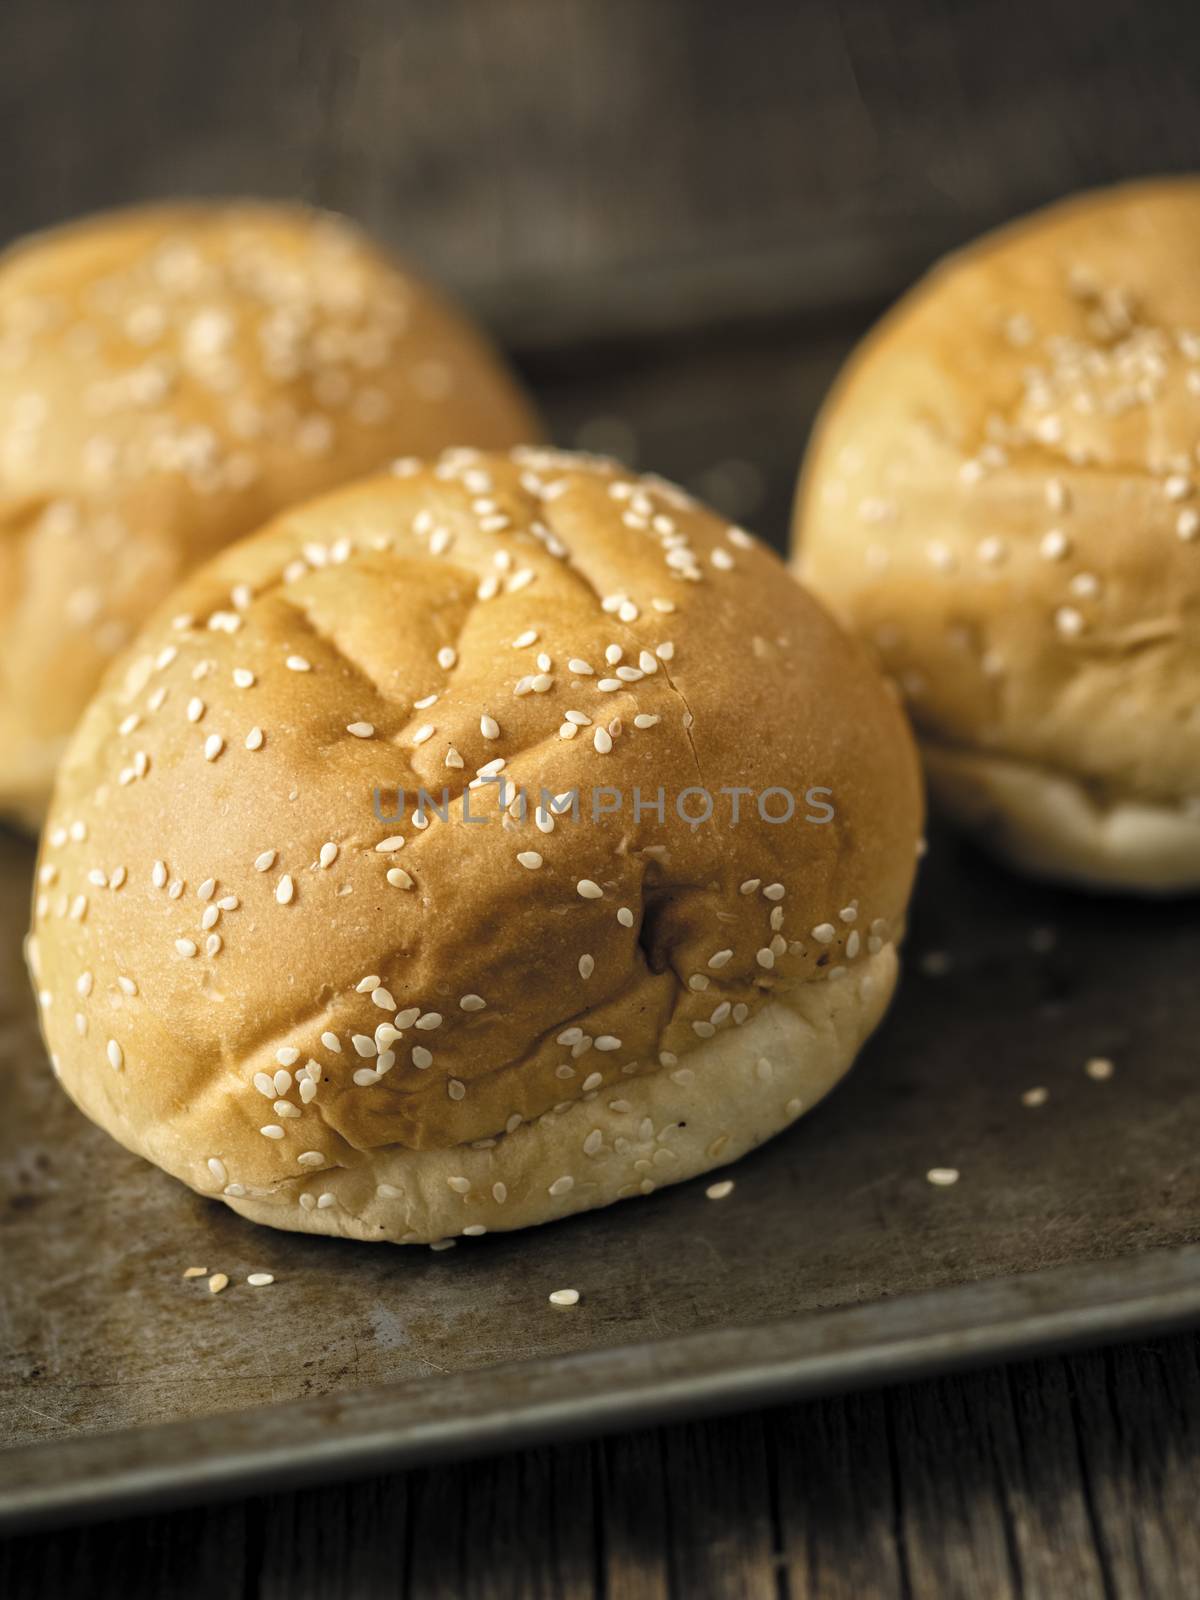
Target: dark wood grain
547,154
1066,1479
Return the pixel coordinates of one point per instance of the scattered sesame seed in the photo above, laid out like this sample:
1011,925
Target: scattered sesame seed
195,1272
298,664
218,1281
588,890
564,1297
1100,1068
361,730
285,890
718,1191
942,1177
260,1280
1035,1097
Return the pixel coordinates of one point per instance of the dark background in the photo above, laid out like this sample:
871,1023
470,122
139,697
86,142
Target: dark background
678,215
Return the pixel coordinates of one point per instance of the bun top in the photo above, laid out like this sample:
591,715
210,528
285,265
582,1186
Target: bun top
1003,493
221,899
170,378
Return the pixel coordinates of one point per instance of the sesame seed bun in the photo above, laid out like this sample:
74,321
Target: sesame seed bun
1003,498
259,970
170,378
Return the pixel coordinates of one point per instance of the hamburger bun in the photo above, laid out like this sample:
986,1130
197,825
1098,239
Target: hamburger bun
170,378
258,969
1002,498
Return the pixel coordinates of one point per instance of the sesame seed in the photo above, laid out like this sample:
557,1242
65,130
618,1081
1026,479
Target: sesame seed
1069,622
116,1056
424,733
1035,1097
489,727
561,1186
213,746
254,739
361,730
587,966
186,948
265,861
530,859
218,1281
602,740
421,1058
564,1297
259,1280
1099,1068
399,879
328,854
195,1272
298,664
942,1177
625,917
285,890
272,1131
217,1167
589,890
719,1191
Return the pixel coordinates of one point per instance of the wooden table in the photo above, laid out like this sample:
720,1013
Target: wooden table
1065,1478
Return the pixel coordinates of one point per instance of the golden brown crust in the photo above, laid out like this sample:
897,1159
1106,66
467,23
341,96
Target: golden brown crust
1002,498
522,967
170,378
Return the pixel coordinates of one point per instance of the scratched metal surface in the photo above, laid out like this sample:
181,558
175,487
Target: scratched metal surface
98,1331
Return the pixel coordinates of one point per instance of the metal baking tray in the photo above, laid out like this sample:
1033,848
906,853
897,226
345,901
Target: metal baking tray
834,1262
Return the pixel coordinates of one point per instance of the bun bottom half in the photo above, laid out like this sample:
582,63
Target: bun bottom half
1053,827
729,1094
